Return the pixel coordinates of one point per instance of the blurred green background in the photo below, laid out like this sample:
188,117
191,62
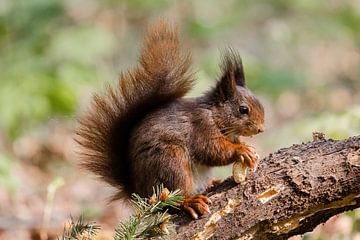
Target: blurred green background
301,58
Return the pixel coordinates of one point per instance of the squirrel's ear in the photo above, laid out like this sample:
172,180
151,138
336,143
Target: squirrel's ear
232,75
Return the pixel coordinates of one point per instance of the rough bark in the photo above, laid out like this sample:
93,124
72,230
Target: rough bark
292,191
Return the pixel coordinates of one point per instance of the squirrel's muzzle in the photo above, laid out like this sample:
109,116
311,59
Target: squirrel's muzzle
261,129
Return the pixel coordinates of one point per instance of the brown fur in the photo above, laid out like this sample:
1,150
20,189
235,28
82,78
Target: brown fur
142,133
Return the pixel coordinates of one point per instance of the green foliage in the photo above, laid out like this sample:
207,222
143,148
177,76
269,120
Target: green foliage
139,5
356,225
44,62
272,81
338,125
7,180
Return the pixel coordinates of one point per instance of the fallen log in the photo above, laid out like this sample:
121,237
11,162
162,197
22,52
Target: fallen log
293,190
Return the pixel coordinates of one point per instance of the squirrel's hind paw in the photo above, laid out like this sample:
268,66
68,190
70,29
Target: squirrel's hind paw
196,205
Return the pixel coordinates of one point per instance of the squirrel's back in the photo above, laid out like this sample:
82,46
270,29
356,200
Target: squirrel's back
104,132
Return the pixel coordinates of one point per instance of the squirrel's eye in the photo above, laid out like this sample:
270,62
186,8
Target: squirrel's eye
244,110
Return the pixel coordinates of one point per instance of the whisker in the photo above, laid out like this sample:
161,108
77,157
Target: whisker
230,131
226,128
227,131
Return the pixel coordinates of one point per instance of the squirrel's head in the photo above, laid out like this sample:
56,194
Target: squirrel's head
236,111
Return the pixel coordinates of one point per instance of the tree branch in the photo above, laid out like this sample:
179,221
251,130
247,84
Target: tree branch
292,191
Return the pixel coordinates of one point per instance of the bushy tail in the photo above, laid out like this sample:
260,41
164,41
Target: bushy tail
103,133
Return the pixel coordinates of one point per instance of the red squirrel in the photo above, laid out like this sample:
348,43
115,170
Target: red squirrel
142,132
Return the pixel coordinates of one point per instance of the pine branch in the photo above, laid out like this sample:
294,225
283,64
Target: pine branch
152,218
79,230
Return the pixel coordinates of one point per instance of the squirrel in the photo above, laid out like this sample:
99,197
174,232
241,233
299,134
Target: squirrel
143,132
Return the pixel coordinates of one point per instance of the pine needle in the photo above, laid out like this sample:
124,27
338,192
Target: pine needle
79,230
152,218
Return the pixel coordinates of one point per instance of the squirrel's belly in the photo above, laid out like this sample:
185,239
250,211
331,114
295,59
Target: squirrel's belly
201,178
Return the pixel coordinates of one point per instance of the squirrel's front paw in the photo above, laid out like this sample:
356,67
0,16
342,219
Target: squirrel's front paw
196,205
247,155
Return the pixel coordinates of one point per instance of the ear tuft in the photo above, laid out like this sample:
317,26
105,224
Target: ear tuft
232,68
232,75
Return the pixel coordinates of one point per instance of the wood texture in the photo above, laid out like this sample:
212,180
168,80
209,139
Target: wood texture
292,191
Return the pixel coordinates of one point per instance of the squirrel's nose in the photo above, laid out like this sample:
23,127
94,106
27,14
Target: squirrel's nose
261,129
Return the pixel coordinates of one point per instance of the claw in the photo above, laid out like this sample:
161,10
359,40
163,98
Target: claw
190,211
196,205
249,156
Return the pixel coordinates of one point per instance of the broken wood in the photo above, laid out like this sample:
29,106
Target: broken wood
293,190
